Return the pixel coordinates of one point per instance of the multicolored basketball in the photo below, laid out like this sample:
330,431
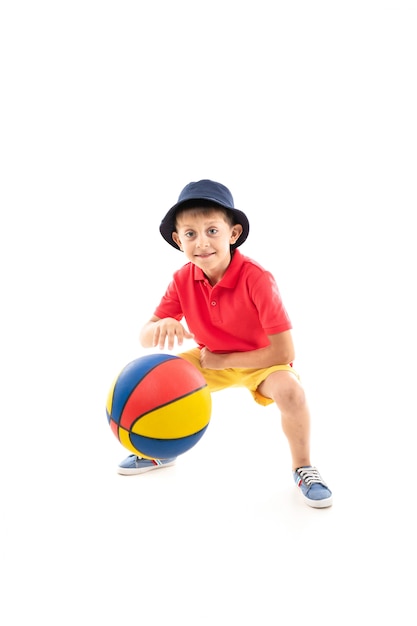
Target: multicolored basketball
159,406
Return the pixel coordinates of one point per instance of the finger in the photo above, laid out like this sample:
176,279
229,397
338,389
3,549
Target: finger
202,357
171,339
155,337
162,338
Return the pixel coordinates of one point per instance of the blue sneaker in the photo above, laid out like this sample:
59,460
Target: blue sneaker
313,488
136,465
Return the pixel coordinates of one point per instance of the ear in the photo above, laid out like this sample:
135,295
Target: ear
237,230
177,240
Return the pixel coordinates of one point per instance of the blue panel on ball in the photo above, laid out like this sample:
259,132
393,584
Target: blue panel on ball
165,448
130,377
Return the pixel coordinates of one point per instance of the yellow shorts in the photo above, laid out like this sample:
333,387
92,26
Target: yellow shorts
236,377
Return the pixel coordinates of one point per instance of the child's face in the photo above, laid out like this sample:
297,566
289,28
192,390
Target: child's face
205,238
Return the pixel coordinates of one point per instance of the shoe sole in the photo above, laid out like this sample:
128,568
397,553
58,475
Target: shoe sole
317,504
131,471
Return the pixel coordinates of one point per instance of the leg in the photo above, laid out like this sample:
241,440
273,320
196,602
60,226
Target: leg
288,394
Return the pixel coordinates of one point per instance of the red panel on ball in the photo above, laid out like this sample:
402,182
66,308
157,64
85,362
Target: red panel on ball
164,384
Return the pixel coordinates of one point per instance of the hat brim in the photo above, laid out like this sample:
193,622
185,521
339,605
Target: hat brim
167,226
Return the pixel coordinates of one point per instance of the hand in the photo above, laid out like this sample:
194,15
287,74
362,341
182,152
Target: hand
166,330
211,360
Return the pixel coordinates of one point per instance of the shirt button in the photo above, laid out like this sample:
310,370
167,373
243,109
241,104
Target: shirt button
213,303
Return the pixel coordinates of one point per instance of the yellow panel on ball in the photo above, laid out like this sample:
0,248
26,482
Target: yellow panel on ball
181,418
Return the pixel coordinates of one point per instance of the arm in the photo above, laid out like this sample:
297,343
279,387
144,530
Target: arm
157,331
279,352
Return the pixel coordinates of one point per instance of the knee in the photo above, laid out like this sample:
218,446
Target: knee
288,394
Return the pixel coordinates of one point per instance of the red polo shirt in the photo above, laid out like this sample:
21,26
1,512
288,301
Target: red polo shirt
236,315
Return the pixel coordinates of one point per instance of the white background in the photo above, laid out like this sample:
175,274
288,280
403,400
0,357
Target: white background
307,112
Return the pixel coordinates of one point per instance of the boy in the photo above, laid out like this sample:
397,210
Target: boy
235,314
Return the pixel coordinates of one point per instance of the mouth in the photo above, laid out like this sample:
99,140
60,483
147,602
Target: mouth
206,255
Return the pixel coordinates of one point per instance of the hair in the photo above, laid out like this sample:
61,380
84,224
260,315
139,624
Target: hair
205,207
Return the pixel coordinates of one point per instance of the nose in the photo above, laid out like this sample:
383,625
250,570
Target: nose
202,241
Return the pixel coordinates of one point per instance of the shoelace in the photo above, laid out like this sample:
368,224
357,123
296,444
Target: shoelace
310,475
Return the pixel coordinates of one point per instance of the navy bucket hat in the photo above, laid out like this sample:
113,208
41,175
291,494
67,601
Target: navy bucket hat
204,190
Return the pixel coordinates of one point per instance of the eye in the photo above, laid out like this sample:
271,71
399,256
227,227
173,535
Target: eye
212,231
189,234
